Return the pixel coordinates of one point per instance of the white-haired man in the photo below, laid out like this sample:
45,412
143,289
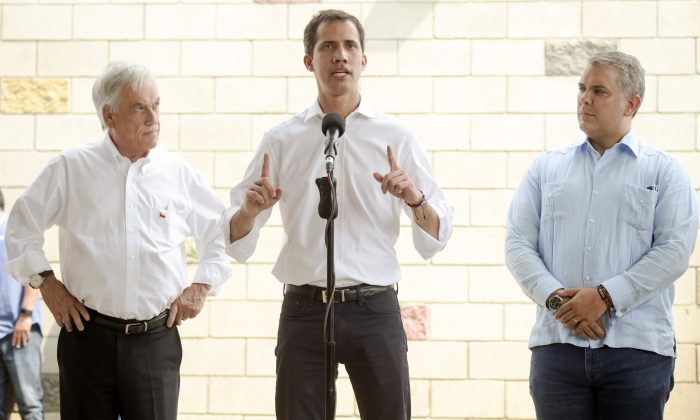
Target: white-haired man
597,234
124,208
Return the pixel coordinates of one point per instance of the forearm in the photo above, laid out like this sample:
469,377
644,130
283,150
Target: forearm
241,224
30,297
426,217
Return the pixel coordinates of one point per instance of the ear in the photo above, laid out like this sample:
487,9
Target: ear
107,116
309,62
633,104
364,61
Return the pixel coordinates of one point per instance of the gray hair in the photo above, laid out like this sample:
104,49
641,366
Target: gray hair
631,71
108,87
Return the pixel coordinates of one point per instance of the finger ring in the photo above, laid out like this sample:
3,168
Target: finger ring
575,322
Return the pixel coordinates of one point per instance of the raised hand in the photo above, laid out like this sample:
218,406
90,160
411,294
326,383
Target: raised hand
262,194
397,182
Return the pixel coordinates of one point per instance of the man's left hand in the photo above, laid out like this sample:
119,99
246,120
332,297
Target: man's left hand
188,304
397,182
585,306
20,336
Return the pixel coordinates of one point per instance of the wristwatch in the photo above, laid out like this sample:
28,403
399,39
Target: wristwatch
25,312
36,280
554,303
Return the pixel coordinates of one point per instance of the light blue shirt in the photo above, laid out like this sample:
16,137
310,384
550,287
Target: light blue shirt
11,292
627,220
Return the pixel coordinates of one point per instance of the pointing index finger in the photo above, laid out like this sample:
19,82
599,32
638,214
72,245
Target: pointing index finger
392,162
266,166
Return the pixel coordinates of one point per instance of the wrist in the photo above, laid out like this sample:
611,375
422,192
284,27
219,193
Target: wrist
416,202
24,312
605,297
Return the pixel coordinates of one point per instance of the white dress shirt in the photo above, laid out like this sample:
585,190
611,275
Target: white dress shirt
122,228
367,225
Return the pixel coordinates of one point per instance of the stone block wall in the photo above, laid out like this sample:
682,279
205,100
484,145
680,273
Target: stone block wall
487,84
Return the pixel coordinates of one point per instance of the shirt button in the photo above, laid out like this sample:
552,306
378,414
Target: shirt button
131,206
595,192
588,278
591,220
588,248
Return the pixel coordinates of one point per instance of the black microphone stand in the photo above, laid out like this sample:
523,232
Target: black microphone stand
328,209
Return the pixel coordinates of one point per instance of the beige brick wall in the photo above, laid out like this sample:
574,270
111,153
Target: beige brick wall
487,84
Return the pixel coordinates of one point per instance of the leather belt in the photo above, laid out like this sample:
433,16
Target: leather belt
347,294
129,326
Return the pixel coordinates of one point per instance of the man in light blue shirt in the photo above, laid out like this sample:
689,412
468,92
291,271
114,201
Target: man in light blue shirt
597,234
20,339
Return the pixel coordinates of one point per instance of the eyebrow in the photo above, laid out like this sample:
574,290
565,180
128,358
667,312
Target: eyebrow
594,86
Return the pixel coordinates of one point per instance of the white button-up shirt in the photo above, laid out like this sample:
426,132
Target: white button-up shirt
367,225
122,228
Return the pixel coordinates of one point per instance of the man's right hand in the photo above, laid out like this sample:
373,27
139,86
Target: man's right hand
592,330
65,308
260,196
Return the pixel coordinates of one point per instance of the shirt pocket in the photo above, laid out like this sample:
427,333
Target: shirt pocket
166,227
555,202
638,207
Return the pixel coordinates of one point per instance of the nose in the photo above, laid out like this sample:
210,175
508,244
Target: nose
151,116
340,55
585,97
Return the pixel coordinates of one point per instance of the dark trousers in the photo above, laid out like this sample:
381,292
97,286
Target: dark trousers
370,342
580,383
105,373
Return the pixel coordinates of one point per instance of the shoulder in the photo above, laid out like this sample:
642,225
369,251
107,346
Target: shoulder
79,154
289,127
657,158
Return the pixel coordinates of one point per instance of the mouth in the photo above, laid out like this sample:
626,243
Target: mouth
340,73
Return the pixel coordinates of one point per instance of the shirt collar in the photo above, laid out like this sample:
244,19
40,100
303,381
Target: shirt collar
363,109
153,155
629,141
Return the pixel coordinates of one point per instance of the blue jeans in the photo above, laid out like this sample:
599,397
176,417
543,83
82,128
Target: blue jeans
23,366
580,383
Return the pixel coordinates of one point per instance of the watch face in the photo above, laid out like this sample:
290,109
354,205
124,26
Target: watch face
554,303
35,281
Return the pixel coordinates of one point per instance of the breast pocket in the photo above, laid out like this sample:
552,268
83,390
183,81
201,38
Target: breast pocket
166,227
638,207
555,201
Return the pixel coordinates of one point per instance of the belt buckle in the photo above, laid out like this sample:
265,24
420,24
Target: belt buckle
126,327
324,295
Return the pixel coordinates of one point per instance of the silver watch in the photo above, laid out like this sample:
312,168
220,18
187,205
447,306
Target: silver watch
36,280
554,303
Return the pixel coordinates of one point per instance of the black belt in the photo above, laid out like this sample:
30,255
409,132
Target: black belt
129,326
347,294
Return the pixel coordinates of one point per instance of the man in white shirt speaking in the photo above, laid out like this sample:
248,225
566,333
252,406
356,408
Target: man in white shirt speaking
124,208
381,171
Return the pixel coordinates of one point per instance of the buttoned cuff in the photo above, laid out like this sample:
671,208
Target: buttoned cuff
243,248
545,287
27,264
620,293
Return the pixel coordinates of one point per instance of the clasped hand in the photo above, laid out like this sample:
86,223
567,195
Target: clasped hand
582,312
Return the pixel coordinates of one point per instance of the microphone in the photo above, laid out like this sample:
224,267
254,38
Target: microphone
333,127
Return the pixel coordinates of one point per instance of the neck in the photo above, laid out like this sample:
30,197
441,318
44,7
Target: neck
343,105
132,155
601,145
